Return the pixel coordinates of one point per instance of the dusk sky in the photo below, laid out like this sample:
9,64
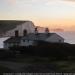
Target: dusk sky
47,13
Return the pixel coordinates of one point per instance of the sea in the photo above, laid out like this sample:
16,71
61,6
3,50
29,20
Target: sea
69,37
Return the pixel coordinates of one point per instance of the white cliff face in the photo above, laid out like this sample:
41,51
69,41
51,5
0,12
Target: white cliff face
29,26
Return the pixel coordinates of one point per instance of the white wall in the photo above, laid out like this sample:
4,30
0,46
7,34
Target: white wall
26,42
29,26
5,45
1,41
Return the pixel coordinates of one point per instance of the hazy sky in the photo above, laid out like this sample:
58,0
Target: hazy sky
50,13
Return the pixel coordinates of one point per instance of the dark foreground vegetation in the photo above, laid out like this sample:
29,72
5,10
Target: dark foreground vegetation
55,51
44,57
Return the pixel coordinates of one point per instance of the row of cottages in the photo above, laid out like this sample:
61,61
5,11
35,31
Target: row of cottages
29,39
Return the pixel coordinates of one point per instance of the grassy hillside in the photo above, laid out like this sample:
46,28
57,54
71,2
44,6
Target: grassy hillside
44,57
6,25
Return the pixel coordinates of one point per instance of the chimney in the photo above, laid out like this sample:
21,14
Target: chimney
36,30
47,31
16,33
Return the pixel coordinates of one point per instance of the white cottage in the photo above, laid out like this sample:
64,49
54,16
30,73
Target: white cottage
10,28
32,39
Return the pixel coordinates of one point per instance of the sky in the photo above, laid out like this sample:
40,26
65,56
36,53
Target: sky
47,13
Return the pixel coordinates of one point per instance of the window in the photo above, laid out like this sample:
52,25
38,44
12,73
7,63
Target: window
24,32
59,40
23,40
16,33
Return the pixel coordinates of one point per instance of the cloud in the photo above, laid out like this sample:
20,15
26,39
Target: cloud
47,2
12,2
70,0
